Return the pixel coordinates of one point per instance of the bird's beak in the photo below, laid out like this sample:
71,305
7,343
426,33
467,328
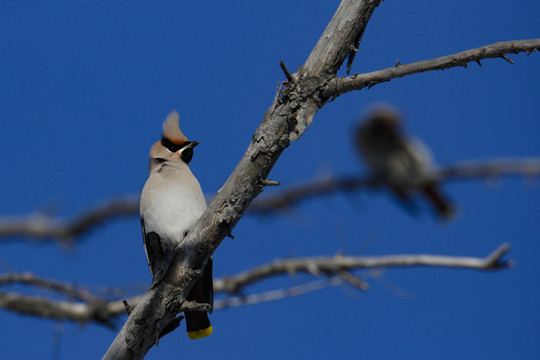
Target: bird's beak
188,145
191,145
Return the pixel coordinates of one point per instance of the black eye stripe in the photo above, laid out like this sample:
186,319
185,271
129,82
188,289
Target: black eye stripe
171,146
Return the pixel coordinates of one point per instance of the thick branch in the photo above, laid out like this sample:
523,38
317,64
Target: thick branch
341,37
332,268
338,86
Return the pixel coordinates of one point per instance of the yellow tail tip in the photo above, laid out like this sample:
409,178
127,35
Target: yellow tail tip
198,334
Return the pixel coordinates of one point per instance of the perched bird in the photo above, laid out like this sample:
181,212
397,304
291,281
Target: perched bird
171,202
403,163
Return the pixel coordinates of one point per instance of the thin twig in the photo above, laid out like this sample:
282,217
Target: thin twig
286,71
353,280
278,294
127,306
508,59
267,182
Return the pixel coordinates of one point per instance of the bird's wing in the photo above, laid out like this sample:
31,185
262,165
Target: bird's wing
157,258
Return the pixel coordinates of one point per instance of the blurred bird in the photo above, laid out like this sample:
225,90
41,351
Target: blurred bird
403,163
171,202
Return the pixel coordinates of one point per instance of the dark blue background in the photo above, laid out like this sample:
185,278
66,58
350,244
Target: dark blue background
85,86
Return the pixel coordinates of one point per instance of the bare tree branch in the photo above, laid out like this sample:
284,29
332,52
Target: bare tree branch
44,227
109,311
317,266
72,291
491,168
323,186
278,294
334,269
339,86
101,312
466,170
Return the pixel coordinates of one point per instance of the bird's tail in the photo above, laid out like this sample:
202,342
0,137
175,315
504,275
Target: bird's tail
197,323
444,208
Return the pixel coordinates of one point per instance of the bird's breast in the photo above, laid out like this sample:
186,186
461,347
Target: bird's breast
171,208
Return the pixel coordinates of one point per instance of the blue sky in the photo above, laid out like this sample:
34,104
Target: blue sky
85,87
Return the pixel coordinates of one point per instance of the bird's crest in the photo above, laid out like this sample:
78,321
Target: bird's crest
171,129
